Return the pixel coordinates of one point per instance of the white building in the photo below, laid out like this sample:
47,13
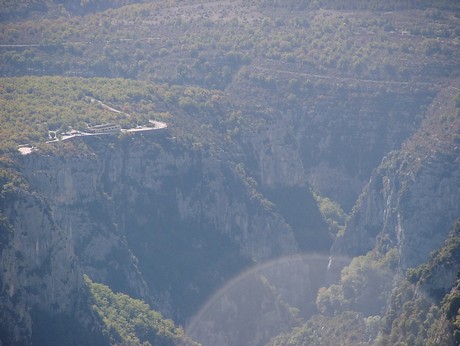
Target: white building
105,128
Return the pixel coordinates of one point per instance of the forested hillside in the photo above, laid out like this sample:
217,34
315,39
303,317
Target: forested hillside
229,172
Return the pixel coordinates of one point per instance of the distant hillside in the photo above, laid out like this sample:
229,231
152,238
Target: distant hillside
17,10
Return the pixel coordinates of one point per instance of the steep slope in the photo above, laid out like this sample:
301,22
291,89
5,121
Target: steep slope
130,321
163,219
156,219
413,197
425,312
401,221
42,289
422,308
316,138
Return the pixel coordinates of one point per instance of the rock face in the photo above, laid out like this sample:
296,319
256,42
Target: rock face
156,220
430,296
330,139
168,223
413,198
147,216
41,276
160,220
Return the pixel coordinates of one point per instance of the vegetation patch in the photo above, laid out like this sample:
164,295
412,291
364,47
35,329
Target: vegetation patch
130,321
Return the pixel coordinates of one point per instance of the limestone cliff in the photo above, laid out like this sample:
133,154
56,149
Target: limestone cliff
413,198
152,218
425,308
41,280
161,220
329,139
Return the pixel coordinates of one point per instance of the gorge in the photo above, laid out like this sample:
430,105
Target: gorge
305,191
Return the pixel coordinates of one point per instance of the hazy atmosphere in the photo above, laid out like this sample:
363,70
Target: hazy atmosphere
229,173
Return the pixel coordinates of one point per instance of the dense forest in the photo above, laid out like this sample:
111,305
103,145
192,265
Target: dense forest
303,188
